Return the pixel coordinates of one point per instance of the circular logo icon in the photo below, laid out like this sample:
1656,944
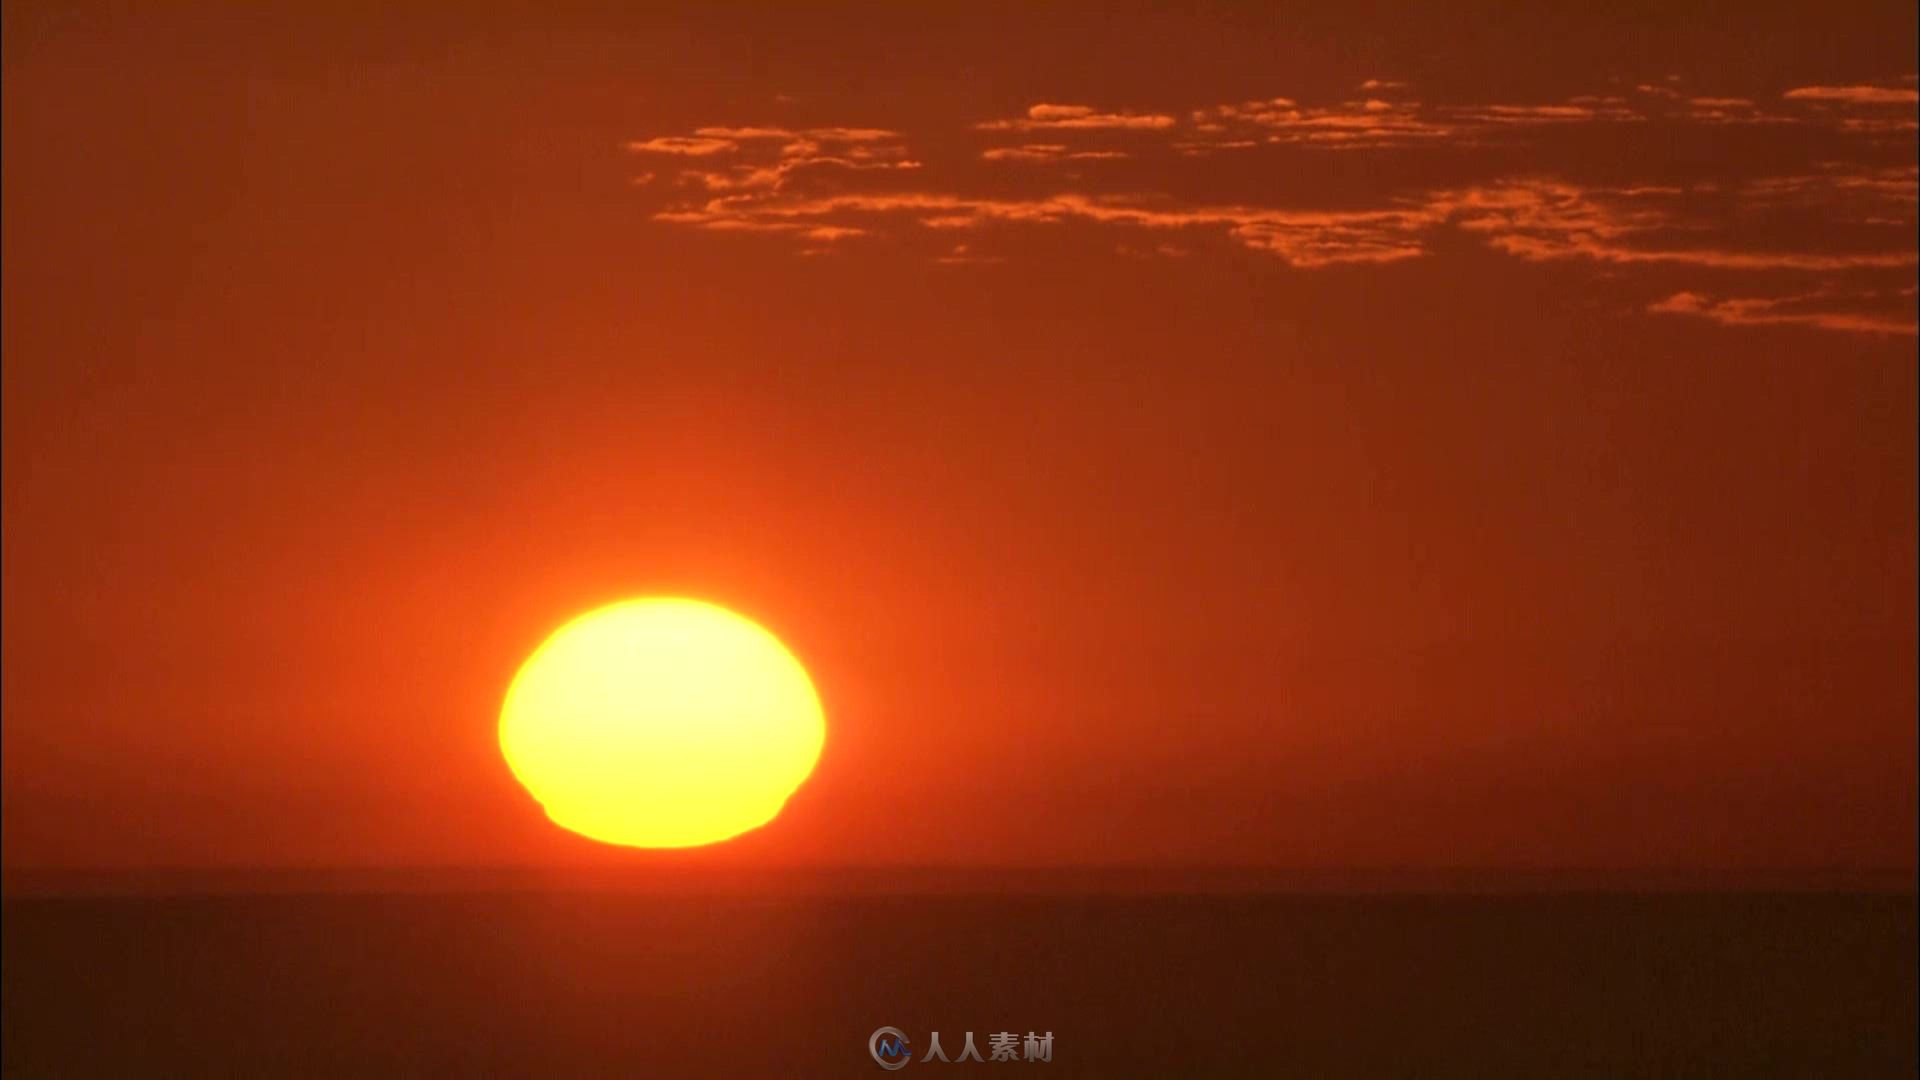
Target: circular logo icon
888,1045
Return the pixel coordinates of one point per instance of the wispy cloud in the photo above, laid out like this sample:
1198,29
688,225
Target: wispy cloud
682,145
1818,310
1302,237
1873,112
1828,245
764,158
1536,220
1049,152
1541,220
1856,95
1577,112
1386,119
1078,118
1370,123
1850,194
1731,110
964,255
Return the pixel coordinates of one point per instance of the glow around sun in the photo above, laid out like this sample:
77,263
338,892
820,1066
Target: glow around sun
661,723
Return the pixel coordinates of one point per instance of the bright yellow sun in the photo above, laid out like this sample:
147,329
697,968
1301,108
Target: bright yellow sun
661,723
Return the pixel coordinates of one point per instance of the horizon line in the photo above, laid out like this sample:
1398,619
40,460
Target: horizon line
820,879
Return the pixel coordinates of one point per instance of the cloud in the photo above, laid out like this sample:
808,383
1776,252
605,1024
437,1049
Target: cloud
1378,123
1854,194
1536,220
765,158
1544,220
851,134
738,134
1855,95
1049,152
1370,123
1800,310
1881,113
682,145
831,233
1306,238
1383,120
1731,110
1045,117
964,255
788,135
1819,244
1568,113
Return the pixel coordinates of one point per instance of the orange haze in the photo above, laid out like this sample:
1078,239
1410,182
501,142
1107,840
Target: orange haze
1523,477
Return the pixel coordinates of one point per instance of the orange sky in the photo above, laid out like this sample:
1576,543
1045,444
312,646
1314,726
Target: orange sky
1374,437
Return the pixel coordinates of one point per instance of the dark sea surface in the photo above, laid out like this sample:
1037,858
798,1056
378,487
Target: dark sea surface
610,983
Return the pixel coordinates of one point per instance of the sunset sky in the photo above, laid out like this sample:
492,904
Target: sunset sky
1385,435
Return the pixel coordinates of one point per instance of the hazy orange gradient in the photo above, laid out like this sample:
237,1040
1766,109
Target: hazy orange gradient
1395,435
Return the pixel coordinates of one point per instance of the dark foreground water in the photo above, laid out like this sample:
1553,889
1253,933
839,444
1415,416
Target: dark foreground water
615,984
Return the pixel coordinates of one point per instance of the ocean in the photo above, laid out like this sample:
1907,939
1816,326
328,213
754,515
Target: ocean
613,983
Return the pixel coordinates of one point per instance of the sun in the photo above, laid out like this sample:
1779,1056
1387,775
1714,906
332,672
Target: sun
661,723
